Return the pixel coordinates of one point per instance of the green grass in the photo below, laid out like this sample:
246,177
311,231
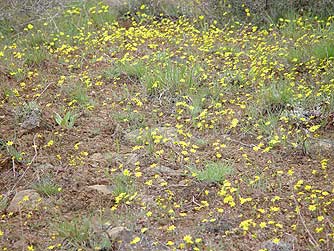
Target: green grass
170,78
275,98
133,119
122,184
324,50
213,172
76,232
79,95
47,187
3,202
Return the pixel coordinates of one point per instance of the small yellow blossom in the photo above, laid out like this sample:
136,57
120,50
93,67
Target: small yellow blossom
10,143
234,123
188,239
312,207
135,240
31,248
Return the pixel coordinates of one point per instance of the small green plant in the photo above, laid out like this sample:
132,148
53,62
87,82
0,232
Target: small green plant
133,70
76,232
36,56
67,121
13,152
135,120
170,78
79,95
275,98
213,172
324,50
3,202
122,184
47,187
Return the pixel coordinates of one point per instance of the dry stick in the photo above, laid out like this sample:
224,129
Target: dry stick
35,149
28,165
22,231
46,87
193,200
314,242
13,162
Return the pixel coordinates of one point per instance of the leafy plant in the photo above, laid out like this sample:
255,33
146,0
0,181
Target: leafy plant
79,95
76,232
47,187
135,120
275,98
67,121
213,172
122,184
3,202
170,78
324,50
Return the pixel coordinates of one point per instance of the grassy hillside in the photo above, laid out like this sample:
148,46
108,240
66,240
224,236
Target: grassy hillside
124,129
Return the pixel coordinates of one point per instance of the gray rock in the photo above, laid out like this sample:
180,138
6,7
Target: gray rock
167,171
119,233
24,200
320,146
98,159
102,188
44,166
280,246
127,159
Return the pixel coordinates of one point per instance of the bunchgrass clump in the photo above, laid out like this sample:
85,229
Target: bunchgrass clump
47,187
75,232
324,50
79,95
122,184
3,202
213,172
170,78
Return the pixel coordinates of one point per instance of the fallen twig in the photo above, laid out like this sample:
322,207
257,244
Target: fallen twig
312,240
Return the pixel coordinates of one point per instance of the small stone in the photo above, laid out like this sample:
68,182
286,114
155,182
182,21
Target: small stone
280,246
102,188
44,166
119,233
98,159
320,146
167,171
24,200
20,244
127,159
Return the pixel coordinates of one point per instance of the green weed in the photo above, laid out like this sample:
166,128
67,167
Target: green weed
46,187
67,121
122,184
324,50
75,232
3,202
213,172
275,98
36,56
170,78
79,95
135,120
